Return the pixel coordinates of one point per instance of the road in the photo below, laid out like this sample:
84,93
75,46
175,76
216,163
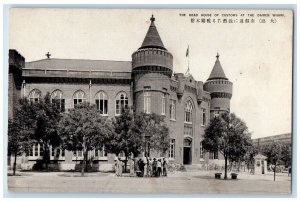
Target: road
199,182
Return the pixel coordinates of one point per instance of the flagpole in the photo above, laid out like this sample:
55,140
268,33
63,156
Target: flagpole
189,58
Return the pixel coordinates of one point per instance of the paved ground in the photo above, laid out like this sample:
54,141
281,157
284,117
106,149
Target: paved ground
201,182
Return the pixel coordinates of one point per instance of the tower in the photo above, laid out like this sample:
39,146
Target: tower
152,66
16,64
220,89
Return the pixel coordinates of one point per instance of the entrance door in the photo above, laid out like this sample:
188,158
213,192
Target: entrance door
187,155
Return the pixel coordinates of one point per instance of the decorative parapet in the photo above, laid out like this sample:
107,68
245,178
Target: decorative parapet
152,57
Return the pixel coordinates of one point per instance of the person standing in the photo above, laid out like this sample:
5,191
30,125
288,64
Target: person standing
120,167
131,167
145,166
159,167
150,167
165,173
116,167
154,166
141,165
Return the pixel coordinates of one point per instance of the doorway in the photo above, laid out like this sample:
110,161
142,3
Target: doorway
187,151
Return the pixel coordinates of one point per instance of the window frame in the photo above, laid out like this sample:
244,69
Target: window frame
147,102
83,97
188,112
163,103
34,95
61,100
173,110
204,117
121,101
102,96
172,149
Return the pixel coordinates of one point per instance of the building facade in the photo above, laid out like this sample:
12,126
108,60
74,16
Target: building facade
282,138
147,83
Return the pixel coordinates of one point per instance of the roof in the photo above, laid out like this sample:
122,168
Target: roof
152,38
80,64
217,71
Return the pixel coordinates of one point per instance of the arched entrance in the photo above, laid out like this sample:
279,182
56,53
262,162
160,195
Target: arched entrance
187,151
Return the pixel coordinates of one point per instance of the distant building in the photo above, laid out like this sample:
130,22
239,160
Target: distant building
147,83
283,138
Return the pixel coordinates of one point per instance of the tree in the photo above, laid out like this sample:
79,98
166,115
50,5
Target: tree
155,132
228,135
83,128
138,132
286,155
275,152
249,156
126,137
21,129
47,116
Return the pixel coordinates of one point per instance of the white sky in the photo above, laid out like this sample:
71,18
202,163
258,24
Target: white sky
257,57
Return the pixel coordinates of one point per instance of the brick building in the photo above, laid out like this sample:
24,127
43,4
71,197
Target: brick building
283,138
147,83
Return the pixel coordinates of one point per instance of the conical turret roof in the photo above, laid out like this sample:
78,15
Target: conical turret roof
152,38
217,71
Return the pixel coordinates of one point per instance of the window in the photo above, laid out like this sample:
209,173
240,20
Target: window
147,102
79,97
213,155
36,150
121,102
41,150
203,116
173,110
102,102
31,152
57,153
172,149
201,151
188,109
53,151
100,152
57,99
35,95
163,104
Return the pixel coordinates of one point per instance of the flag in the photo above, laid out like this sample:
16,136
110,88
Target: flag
187,52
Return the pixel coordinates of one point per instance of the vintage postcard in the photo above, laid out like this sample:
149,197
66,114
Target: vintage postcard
150,101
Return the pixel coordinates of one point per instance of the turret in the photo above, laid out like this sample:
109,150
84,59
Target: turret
152,56
220,89
152,66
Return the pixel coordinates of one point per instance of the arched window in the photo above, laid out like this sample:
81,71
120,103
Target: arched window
188,109
147,102
35,95
121,102
58,100
79,97
101,102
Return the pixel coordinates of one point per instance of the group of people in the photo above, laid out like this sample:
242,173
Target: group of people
147,167
144,167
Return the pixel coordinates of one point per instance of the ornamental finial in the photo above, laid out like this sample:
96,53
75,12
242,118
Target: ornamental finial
152,18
